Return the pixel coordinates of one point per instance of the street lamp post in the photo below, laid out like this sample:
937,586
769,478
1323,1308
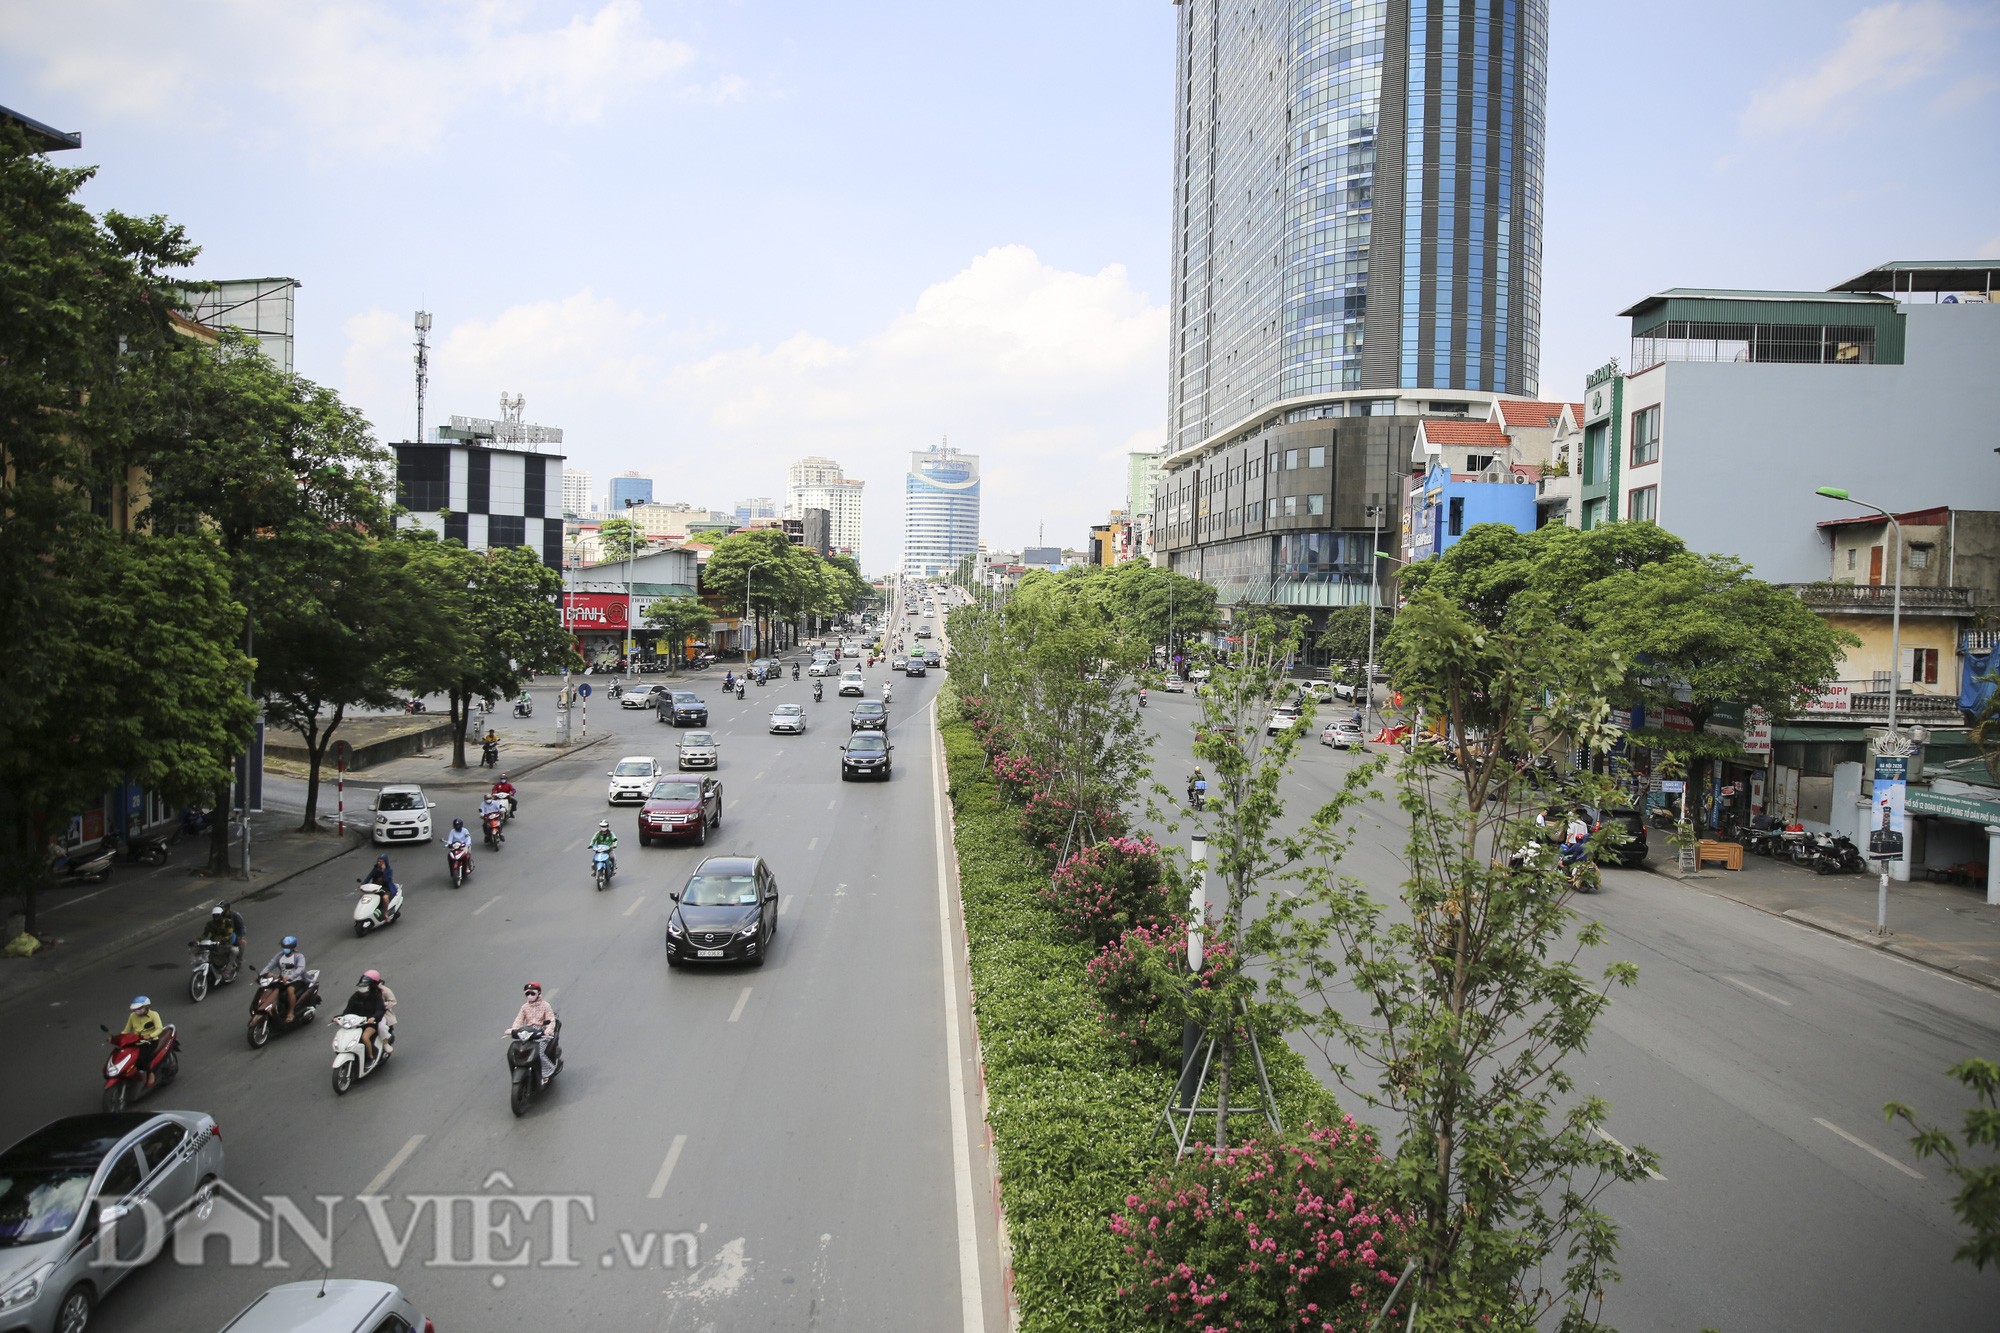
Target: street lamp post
1374,585
630,666
1895,679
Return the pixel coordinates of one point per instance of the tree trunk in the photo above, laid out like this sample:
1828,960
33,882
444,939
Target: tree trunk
218,836
461,707
316,747
1227,1038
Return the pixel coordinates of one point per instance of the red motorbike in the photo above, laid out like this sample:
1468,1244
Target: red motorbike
460,861
491,823
126,1079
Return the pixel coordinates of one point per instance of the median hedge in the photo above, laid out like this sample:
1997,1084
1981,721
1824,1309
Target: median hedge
1073,1120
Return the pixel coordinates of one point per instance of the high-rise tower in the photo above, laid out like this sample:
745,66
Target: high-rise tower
1357,205
940,511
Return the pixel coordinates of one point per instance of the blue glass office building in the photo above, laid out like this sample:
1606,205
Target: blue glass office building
639,490
1357,206
940,511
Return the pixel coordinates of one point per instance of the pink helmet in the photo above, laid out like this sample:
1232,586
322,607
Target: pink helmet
373,975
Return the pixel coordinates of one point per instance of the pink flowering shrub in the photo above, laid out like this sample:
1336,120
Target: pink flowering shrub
1045,823
1266,1236
1140,980
1104,890
1019,772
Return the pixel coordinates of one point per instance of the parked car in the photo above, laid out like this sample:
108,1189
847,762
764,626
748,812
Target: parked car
789,719
681,808
696,749
851,683
65,1184
631,778
640,695
869,715
727,913
402,814
1342,734
866,755
1632,851
1198,675
916,667
331,1305
684,708
1282,718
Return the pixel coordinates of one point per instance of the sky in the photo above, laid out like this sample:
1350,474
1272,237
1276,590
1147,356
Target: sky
709,237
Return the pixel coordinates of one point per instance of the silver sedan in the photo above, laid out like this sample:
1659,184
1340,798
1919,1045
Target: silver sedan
789,718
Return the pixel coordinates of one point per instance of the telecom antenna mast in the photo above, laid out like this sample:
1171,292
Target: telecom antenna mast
423,360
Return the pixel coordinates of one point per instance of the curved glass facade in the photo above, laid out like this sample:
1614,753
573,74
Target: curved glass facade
940,511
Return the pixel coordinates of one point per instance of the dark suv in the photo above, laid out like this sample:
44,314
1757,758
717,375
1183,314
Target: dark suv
1632,851
684,709
869,715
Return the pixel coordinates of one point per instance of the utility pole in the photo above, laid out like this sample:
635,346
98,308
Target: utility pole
630,669
423,360
1374,597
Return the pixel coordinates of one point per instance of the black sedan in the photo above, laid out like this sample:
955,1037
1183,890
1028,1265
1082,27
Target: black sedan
869,715
728,913
866,755
915,668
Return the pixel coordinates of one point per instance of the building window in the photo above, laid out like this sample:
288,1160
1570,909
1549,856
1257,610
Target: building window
1646,436
1593,514
1257,512
1291,458
1850,557
1643,505
1277,463
1455,525
1593,454
1923,666
1478,462
1920,557
1291,506
1315,504
1316,457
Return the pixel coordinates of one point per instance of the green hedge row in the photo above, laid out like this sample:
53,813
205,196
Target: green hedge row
1073,1126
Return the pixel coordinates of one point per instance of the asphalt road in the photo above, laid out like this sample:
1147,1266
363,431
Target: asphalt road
1754,1054
791,1125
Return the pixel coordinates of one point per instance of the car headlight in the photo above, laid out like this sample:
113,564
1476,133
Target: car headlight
748,930
27,1288
674,926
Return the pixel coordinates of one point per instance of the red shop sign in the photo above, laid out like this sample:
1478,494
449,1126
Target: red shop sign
594,610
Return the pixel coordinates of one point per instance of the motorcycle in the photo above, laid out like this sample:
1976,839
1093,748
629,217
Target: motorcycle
819,691
194,823
489,754
739,689
524,708
602,867
91,868
1142,698
458,860
377,907
1839,856
524,1064
760,680
213,964
150,849
491,824
1805,848
414,706
126,1079
615,691
1198,796
1766,842
795,671
267,1008
350,1053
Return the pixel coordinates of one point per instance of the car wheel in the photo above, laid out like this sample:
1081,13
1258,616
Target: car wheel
73,1315
701,834
645,840
673,961
758,961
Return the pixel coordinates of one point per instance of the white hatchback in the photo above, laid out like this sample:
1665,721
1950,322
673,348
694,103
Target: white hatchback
1282,718
402,814
632,779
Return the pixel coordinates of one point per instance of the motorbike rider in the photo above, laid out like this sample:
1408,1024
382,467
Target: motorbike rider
146,1024
795,671
383,875
368,1002
739,688
606,839
504,788
1576,837
729,682
819,687
1196,782
888,691
459,837
1142,696
537,1013
492,804
223,930
288,965
523,704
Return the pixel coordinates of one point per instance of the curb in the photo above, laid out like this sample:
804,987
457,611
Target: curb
67,968
1861,938
516,770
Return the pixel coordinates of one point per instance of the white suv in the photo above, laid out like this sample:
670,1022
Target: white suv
632,779
402,814
851,683
1282,718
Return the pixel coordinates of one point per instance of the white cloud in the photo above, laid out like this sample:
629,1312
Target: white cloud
1991,249
1886,47
1050,376
367,74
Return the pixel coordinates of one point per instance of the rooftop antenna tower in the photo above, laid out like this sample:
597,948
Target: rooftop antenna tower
423,360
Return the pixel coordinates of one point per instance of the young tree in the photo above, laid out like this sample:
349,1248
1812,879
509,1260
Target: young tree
621,538
1474,997
1978,1201
678,619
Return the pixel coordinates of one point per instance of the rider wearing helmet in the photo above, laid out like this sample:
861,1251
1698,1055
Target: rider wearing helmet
460,835
492,804
606,839
538,1013
502,787
145,1024
288,965
222,930
370,1001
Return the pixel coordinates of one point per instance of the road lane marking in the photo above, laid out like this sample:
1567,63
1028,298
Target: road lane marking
1627,1151
783,903
812,845
971,1298
635,905
758,778
741,1000
1763,995
1869,1148
488,903
395,1164
830,805
667,1167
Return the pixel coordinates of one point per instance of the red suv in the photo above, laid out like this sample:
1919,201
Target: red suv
681,808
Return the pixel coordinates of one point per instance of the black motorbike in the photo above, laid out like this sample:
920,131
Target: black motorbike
489,754
615,690
524,1064
795,671
1838,855
1767,842
740,686
194,823
150,849
819,689
267,1007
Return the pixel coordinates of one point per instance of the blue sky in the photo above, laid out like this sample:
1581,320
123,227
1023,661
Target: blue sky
711,237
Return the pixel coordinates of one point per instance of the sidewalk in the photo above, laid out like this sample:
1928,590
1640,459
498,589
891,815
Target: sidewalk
524,747
1948,927
137,903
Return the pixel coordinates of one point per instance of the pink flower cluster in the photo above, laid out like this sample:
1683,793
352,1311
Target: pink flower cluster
1124,974
1266,1236
1105,890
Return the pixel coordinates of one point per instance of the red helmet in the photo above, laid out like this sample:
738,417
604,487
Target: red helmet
534,987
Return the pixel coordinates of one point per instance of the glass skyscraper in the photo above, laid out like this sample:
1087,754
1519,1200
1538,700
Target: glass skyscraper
1357,205
940,511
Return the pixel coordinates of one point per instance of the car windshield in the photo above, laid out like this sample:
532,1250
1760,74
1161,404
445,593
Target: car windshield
632,768
786,710
676,791
39,1204
686,697
399,800
720,890
867,708
695,739
860,743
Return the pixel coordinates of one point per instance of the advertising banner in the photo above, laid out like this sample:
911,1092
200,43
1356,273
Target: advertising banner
1832,699
1885,839
1757,732
594,611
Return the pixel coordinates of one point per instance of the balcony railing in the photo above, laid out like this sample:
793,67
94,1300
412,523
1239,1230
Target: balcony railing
1870,698
1879,598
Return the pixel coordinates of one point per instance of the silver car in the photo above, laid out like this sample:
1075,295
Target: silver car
790,718
697,750
338,1305
90,1184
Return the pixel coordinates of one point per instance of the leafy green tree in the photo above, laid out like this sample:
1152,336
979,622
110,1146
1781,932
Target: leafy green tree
1160,606
1474,999
789,582
621,538
1346,632
678,619
1492,564
1978,1200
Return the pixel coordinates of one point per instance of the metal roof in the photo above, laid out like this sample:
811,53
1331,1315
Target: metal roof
43,138
1925,275
1867,296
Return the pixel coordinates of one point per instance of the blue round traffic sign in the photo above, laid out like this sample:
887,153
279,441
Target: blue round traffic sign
584,689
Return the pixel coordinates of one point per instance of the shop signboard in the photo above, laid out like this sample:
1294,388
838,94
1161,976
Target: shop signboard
1757,732
1833,699
1885,838
1673,785
594,611
1675,718
1975,809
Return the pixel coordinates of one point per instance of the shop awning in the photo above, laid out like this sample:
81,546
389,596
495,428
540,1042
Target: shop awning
1819,735
1923,801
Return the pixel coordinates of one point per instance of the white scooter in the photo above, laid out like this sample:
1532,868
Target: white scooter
376,908
350,1054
